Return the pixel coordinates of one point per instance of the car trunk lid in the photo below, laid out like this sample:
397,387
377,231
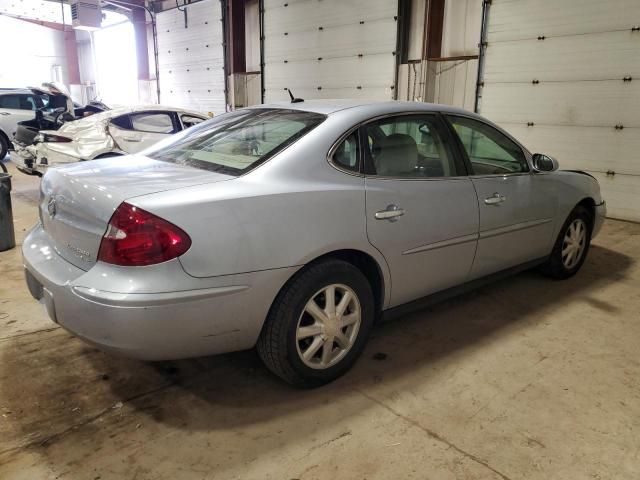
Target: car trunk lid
25,133
77,202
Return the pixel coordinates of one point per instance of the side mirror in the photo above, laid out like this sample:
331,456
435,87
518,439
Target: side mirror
544,163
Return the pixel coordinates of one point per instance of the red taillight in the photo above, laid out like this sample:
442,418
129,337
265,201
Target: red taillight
135,237
51,138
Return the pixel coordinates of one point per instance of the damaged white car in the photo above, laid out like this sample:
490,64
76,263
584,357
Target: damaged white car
116,132
25,111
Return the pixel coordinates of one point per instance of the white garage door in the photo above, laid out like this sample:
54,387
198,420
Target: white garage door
191,57
329,48
564,78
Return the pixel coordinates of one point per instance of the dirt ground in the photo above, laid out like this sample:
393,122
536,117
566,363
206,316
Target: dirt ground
527,378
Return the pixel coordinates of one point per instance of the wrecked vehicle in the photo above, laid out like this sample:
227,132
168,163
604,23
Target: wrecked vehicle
54,108
116,132
36,109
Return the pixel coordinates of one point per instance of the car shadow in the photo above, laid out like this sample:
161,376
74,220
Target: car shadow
233,391
396,347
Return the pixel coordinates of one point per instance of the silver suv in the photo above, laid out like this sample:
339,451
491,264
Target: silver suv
16,105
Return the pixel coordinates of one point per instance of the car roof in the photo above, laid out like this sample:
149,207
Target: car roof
121,110
330,106
13,91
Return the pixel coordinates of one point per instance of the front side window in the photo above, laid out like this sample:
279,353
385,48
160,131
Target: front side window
490,152
347,154
409,147
152,122
237,142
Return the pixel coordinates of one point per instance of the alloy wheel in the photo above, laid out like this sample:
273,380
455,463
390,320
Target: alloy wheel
328,326
574,243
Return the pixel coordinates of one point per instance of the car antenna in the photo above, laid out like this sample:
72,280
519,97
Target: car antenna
294,99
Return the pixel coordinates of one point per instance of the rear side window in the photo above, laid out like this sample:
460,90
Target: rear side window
122,122
237,142
10,101
30,103
409,147
347,154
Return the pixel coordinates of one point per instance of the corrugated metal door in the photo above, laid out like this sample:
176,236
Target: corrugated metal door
191,57
564,78
329,48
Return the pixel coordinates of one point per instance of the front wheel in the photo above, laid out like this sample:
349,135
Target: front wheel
572,245
318,324
4,147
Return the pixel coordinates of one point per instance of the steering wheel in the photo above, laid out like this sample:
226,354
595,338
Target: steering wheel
57,119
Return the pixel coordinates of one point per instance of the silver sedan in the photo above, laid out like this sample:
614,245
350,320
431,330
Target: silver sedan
294,227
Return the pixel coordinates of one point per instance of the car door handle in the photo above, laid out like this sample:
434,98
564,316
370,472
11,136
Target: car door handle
495,199
132,139
391,213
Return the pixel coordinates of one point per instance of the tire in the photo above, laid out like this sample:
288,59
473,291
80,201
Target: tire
558,266
4,146
282,343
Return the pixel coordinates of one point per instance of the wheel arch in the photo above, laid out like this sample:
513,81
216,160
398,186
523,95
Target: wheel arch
372,269
590,205
367,265
108,155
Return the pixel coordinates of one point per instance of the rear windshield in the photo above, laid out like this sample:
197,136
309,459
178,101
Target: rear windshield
236,142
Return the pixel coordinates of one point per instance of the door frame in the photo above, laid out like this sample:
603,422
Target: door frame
461,175
531,174
442,128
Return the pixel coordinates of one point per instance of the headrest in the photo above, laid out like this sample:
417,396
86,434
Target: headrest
399,140
398,155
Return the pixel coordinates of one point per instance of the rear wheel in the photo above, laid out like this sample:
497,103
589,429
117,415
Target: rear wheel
318,324
572,245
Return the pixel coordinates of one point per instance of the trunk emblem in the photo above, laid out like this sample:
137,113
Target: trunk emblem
51,207
78,252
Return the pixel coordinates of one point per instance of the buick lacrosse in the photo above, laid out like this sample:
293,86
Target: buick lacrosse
294,227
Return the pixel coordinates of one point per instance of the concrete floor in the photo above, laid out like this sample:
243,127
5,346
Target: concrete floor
527,378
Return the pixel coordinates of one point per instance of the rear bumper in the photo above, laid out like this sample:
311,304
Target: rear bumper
198,317
25,161
37,158
30,170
